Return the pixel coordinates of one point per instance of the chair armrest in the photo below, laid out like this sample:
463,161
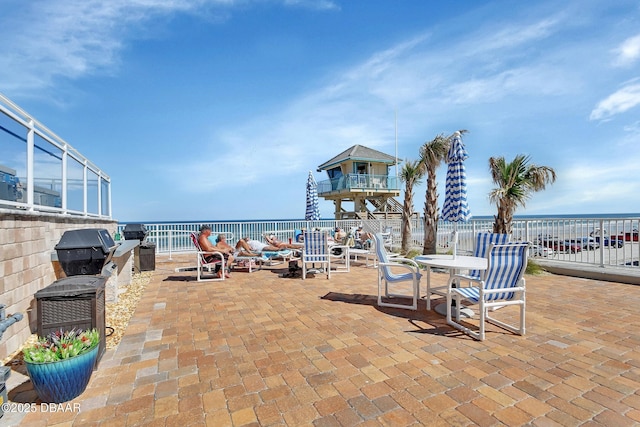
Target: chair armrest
399,260
412,268
457,277
212,253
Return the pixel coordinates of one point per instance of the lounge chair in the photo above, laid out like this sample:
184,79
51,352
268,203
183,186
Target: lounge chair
202,263
248,263
388,274
501,285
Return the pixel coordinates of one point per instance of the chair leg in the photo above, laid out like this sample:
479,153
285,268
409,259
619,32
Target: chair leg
483,316
428,288
456,324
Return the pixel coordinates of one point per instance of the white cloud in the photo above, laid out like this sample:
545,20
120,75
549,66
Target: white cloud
618,102
313,4
47,40
628,52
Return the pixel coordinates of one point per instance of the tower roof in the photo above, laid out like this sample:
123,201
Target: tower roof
358,153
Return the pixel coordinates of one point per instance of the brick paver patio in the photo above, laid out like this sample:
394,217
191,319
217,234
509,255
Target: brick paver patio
259,349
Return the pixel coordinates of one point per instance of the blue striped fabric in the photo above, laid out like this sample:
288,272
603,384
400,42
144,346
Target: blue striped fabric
312,212
455,208
316,247
506,267
483,241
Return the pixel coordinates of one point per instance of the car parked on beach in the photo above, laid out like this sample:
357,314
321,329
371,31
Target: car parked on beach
613,242
569,247
628,236
586,242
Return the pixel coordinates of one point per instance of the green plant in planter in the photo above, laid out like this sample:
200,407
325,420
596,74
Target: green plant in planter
60,365
60,345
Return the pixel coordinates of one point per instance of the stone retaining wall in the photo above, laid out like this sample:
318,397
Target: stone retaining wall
26,242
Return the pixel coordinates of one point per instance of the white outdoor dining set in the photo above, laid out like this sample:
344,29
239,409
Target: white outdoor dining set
492,278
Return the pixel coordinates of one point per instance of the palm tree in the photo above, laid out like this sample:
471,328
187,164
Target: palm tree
411,174
516,181
431,156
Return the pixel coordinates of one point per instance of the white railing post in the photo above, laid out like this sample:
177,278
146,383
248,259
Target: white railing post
601,247
30,160
63,190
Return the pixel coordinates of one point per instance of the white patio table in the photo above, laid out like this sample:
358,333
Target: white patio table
453,265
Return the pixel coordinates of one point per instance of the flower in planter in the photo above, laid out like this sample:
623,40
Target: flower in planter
61,345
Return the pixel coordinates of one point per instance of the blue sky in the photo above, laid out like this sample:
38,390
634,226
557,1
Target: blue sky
217,110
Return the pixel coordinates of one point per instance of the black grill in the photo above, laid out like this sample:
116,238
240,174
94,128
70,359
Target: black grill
135,232
85,252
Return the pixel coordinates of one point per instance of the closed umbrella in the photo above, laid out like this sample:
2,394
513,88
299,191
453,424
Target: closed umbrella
455,208
313,211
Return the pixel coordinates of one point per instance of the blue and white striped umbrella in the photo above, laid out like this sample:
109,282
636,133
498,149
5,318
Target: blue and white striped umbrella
455,208
313,210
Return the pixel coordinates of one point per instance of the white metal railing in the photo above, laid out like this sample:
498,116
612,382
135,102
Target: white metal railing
605,241
39,171
354,181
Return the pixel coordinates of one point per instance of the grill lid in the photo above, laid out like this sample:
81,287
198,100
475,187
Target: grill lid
87,238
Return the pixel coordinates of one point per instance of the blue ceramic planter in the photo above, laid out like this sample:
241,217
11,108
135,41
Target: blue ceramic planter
63,380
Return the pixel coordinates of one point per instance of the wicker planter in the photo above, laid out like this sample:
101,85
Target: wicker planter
63,380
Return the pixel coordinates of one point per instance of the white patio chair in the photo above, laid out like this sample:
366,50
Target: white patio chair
481,248
388,274
503,285
316,251
203,264
481,245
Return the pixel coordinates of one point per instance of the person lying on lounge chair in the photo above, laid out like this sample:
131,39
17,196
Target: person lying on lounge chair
273,241
207,246
254,246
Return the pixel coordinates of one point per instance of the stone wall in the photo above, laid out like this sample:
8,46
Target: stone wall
26,242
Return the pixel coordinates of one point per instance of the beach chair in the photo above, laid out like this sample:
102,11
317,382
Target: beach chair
387,234
316,251
481,248
248,263
388,274
357,251
202,264
340,258
502,285
282,256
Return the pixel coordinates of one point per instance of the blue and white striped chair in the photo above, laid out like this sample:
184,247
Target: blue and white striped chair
483,241
502,285
316,251
388,275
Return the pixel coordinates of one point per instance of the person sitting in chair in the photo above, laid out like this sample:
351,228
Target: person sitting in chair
207,246
339,236
363,239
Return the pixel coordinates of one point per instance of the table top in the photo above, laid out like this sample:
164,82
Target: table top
447,261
